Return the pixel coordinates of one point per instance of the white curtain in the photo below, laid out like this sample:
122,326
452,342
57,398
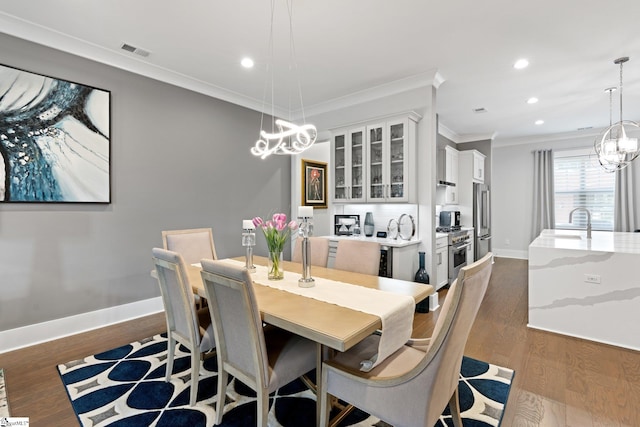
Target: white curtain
625,202
543,195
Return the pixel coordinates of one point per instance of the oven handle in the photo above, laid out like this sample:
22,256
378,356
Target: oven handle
461,246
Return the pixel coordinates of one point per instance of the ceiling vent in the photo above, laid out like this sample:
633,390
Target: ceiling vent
136,50
480,110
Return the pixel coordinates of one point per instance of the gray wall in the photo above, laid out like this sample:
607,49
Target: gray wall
178,160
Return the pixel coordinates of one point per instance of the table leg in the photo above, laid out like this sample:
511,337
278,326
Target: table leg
320,349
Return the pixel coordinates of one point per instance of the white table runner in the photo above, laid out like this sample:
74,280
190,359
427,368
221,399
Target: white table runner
395,311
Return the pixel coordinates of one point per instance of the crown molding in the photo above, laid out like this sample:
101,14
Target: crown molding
29,31
35,33
554,137
407,84
461,139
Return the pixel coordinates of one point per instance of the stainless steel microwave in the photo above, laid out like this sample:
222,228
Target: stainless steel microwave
449,218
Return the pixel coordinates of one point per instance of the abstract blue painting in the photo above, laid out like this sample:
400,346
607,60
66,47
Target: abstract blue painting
54,140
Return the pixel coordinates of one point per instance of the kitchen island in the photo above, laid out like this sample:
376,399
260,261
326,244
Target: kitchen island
587,288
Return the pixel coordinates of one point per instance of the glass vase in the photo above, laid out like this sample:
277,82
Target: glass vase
274,266
368,224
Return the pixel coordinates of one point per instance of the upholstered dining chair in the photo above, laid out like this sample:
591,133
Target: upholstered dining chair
193,244
262,358
413,386
358,256
185,325
319,247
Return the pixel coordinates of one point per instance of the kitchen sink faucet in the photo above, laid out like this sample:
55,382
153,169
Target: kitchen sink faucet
588,219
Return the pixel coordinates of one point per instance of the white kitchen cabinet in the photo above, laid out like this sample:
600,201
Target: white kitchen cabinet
348,160
471,163
478,166
451,195
442,262
388,161
388,157
470,253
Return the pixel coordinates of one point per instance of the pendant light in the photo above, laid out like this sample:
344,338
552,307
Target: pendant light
614,148
285,137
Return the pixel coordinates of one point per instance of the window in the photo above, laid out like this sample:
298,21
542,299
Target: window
579,181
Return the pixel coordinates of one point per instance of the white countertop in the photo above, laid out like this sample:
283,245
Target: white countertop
601,241
385,242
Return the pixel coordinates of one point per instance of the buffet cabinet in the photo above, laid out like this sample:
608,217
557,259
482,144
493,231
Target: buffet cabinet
375,162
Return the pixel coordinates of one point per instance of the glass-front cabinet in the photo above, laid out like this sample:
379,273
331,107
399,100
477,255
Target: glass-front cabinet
349,161
372,162
387,146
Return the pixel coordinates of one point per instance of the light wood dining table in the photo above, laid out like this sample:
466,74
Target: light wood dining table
336,327
331,326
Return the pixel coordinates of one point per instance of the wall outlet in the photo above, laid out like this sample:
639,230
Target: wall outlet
507,242
592,278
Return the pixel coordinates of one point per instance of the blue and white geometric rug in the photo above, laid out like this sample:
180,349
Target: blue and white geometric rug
4,402
125,387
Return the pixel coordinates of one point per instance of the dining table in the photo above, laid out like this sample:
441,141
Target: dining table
333,327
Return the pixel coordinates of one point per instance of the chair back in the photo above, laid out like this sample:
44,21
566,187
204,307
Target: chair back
177,295
237,323
319,247
444,354
358,256
193,244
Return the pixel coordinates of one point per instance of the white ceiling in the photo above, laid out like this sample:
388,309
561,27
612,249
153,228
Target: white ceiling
349,49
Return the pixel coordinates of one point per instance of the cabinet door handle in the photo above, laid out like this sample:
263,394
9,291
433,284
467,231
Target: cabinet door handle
440,258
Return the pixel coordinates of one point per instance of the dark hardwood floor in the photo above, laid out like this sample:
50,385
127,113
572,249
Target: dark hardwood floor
559,380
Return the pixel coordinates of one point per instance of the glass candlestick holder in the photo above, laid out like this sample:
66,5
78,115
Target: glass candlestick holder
249,241
304,231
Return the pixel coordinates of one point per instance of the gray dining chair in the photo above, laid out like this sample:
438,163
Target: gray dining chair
414,385
358,256
319,248
193,244
185,325
264,359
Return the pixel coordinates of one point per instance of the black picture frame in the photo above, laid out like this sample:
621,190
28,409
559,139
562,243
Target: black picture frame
314,184
55,144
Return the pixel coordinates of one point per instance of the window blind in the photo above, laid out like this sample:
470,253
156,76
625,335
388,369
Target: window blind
579,181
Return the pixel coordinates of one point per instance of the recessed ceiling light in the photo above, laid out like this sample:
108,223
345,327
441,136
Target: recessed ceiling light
532,100
520,64
539,122
247,62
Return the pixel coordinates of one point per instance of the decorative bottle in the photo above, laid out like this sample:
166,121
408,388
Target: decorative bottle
422,277
368,224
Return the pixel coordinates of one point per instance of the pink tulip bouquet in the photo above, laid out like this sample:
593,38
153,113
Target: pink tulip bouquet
276,231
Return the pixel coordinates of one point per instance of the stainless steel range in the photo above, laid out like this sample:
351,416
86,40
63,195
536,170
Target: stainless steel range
458,243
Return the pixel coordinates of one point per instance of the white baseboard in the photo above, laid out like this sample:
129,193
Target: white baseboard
25,336
510,253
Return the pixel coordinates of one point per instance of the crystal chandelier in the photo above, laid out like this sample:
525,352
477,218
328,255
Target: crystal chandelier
614,148
285,137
